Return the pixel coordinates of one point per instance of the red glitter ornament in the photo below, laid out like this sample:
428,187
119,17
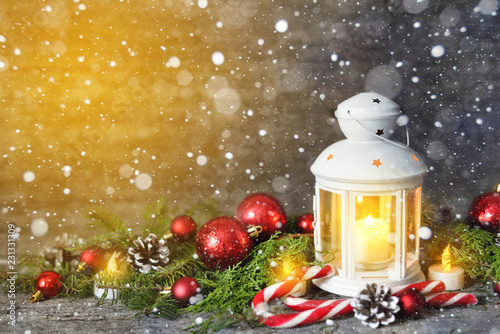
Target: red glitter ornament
262,210
484,211
184,289
412,302
47,285
496,288
305,223
222,242
91,257
183,227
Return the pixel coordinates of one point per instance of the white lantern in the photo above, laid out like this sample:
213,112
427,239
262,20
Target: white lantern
367,200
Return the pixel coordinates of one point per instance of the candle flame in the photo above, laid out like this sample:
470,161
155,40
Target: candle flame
369,221
446,259
287,268
112,265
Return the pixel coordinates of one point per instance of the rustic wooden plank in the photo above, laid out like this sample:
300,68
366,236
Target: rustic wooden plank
60,315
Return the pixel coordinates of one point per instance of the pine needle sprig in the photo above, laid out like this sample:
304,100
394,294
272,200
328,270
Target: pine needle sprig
183,265
476,252
142,294
233,289
77,286
157,218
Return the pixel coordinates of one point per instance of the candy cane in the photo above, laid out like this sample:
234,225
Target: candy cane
336,308
307,273
259,302
310,311
291,285
424,287
450,299
299,304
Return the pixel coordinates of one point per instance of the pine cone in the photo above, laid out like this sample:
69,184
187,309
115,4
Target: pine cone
57,256
375,306
148,254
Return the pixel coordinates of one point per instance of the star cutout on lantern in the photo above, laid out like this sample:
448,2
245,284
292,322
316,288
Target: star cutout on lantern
415,157
380,132
329,157
376,162
376,100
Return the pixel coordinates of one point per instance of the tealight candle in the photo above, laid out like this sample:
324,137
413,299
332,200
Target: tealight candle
452,276
372,245
107,276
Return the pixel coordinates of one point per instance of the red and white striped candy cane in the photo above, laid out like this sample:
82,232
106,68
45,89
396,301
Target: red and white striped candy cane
424,287
259,302
299,304
335,308
450,299
307,273
291,285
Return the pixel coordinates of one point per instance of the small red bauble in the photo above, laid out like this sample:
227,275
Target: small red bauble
484,212
496,288
262,210
184,289
222,242
47,285
91,257
305,223
411,302
183,227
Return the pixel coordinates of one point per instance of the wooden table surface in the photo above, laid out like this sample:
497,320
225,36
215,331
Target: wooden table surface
60,315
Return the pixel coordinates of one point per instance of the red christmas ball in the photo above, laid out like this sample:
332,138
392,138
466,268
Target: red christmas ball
496,288
411,302
91,256
262,210
305,223
223,242
184,289
484,212
183,227
47,284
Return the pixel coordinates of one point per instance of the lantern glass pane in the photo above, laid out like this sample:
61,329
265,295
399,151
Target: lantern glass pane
375,227
413,200
330,227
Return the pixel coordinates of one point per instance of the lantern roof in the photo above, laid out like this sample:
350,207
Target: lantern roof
368,162
367,156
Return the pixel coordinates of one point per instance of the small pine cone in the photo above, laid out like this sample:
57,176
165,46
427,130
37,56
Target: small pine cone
375,306
148,254
57,256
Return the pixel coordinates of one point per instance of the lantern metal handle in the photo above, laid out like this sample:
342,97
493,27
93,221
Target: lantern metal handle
379,137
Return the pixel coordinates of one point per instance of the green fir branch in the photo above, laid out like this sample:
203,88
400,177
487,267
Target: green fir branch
233,289
476,252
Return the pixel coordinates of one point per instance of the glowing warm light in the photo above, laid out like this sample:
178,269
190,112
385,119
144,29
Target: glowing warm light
452,276
446,259
369,221
286,268
112,265
359,199
372,245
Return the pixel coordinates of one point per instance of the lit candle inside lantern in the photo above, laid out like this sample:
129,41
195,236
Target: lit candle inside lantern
452,276
108,276
372,245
